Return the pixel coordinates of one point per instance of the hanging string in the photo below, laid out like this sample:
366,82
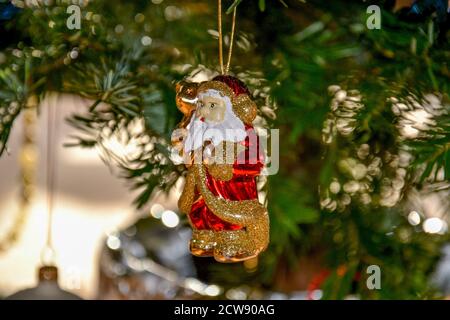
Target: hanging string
219,22
52,129
230,49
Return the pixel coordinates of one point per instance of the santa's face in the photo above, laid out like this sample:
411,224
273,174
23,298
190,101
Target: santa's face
214,121
211,109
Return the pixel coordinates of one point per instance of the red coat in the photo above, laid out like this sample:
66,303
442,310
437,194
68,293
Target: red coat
242,186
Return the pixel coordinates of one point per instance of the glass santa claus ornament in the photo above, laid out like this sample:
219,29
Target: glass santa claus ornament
222,154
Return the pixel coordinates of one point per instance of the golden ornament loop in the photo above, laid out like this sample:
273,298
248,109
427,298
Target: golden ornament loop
219,22
230,50
225,70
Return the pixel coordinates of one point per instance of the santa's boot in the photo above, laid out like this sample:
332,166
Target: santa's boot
202,243
234,246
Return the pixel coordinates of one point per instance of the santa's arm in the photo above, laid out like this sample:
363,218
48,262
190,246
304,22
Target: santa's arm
222,172
220,165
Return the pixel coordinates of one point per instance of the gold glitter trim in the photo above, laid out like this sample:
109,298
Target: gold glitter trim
250,214
234,246
187,196
216,85
244,108
202,243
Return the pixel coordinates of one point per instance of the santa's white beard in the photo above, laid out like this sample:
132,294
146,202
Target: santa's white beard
231,129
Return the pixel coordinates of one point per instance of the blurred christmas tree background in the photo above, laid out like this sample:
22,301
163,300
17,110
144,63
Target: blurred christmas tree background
364,128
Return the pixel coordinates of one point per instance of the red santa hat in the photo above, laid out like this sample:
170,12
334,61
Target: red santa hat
234,83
